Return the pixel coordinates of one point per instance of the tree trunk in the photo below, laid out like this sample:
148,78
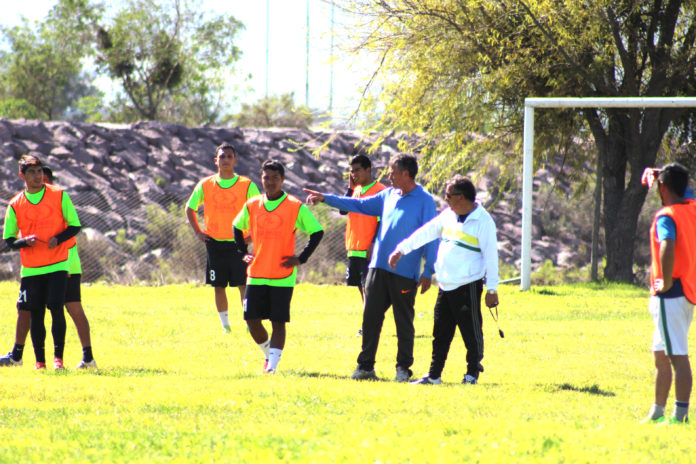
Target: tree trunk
630,143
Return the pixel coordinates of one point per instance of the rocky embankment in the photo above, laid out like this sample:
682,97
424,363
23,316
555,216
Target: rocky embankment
113,172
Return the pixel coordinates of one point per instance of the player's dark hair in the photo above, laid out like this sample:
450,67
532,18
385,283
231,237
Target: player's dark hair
406,162
28,160
675,177
461,185
48,172
362,160
273,165
226,146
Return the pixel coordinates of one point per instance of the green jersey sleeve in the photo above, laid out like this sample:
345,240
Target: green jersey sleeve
196,198
11,228
241,222
69,212
306,221
253,190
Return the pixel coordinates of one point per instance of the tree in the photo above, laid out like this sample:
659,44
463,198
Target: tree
274,111
41,75
451,68
169,60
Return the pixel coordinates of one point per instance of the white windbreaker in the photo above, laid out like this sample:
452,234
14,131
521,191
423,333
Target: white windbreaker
467,251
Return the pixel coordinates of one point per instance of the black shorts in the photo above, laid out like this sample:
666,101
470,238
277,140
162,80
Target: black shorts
266,302
37,292
357,271
225,264
72,292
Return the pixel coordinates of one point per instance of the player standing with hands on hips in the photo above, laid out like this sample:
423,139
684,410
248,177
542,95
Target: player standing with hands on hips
672,289
467,255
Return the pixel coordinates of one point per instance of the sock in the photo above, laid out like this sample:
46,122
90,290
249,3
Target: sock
87,354
274,358
17,352
265,347
681,410
656,411
224,318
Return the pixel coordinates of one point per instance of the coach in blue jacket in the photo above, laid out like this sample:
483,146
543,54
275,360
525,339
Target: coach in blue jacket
403,208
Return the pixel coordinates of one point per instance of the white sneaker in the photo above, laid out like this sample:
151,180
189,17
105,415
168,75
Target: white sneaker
402,374
87,365
7,360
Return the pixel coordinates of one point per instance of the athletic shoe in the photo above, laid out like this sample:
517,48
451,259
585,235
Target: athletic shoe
265,365
8,360
648,420
226,329
470,380
39,366
359,334
269,370
674,421
402,374
58,364
87,364
426,380
362,374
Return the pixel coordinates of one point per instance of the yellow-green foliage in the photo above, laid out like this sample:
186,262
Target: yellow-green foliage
568,383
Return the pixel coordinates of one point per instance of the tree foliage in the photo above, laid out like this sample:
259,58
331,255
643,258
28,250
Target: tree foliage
274,111
454,68
170,60
41,75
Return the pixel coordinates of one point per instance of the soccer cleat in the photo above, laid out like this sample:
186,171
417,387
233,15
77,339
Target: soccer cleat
649,420
426,380
39,366
58,364
362,374
265,365
226,329
87,364
470,380
269,370
8,360
402,374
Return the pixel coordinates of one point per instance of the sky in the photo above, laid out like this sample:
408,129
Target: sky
287,49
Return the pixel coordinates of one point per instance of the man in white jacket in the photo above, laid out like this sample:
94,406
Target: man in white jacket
467,255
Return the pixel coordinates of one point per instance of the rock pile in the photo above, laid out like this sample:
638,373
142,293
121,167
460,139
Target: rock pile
114,172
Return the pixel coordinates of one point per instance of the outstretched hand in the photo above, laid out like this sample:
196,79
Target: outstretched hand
314,196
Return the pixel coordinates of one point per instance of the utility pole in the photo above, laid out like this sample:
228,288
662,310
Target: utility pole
307,62
268,34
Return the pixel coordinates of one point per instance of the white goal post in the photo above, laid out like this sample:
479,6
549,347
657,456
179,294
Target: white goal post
528,151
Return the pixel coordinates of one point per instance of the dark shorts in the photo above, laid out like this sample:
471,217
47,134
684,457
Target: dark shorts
225,264
357,271
72,292
37,292
266,302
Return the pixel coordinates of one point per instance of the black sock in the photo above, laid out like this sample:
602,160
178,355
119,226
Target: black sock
17,352
87,354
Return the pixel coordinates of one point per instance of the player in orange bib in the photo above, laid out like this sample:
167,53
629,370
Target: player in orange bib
361,229
272,220
222,195
40,222
673,292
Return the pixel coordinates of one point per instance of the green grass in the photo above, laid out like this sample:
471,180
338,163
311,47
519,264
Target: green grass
568,383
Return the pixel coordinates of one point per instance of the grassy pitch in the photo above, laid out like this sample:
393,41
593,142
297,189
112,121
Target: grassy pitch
569,383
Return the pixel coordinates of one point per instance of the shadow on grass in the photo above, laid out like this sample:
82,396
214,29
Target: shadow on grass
592,389
127,372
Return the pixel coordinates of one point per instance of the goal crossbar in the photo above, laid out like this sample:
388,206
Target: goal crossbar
528,151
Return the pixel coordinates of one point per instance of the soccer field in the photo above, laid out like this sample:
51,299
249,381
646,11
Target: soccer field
568,383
